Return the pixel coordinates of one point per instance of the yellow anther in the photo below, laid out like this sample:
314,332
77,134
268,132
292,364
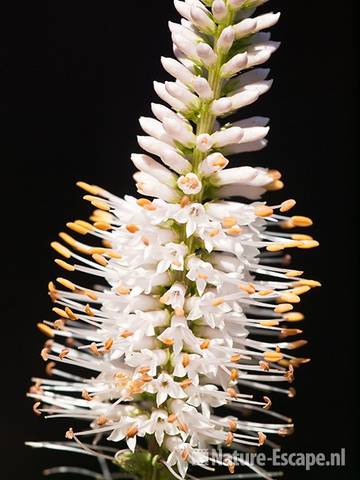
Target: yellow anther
84,224
60,312
205,344
294,316
269,323
185,360
310,283
88,310
66,283
71,314
65,265
299,221
275,247
263,211
100,260
77,228
294,273
247,288
272,356
229,222
308,244
93,189
289,298
274,186
300,290
90,294
235,230
263,293
283,308
102,226
45,329
65,252
287,205
275,174
132,228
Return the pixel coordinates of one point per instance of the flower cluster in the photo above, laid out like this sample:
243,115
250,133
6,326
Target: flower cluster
195,296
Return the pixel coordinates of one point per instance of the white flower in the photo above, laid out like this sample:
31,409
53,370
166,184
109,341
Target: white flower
193,215
129,429
175,296
178,335
159,425
189,184
201,273
164,387
172,256
210,307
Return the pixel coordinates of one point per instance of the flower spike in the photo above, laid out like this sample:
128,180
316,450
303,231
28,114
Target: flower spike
194,301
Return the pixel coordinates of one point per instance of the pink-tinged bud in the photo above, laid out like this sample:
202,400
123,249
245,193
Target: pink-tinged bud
177,70
179,131
244,28
219,10
234,65
243,175
227,136
226,40
266,21
172,101
202,20
183,9
203,89
221,106
243,99
206,54
146,164
183,95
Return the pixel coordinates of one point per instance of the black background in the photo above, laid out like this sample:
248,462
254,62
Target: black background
77,75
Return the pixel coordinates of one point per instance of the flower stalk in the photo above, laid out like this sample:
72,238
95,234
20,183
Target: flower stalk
195,306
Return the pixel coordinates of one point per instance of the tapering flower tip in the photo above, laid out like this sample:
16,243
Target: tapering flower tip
183,9
185,47
221,106
167,154
203,89
176,104
237,175
202,20
267,20
244,28
180,132
227,137
206,54
219,10
177,70
148,165
234,65
225,40
183,95
155,129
